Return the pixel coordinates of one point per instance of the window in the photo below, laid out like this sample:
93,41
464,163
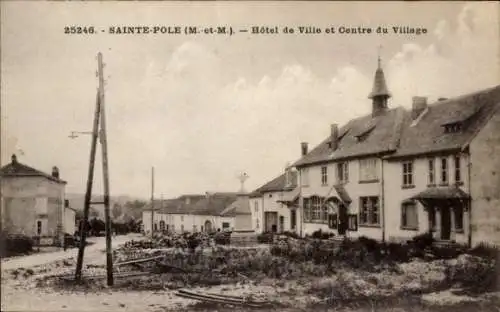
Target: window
444,170
225,225
182,218
342,172
307,209
459,219
432,174
257,225
256,206
162,225
368,169
305,177
409,216
324,175
453,127
182,228
353,222
458,173
369,211
39,227
195,228
408,173
315,210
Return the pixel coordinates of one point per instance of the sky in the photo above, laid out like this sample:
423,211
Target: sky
203,108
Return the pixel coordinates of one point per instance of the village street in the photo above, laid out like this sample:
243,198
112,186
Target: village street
93,252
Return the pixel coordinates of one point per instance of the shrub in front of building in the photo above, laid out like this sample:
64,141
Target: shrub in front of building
13,245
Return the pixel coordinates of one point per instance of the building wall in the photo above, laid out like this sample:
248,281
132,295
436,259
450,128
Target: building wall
69,221
184,222
26,200
243,222
353,187
270,204
256,209
485,183
395,194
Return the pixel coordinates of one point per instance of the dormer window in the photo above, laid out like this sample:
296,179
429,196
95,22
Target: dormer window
453,127
364,135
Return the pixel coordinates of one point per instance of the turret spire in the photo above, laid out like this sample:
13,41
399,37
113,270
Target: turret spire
380,93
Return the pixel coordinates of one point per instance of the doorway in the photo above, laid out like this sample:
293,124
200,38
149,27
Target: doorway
293,220
271,222
208,226
343,220
445,223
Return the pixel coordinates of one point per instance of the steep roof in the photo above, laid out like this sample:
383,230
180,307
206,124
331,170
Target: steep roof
379,84
427,134
366,135
277,184
214,204
16,169
241,206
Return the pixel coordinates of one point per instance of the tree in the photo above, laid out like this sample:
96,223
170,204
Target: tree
134,208
116,210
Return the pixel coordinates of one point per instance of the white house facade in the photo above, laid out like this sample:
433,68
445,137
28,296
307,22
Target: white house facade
397,173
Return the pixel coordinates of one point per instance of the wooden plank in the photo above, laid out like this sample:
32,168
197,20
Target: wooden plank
138,260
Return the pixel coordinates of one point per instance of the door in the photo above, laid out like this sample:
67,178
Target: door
282,224
445,223
271,222
343,219
208,226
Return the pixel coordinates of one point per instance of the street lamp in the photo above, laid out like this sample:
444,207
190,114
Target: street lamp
74,134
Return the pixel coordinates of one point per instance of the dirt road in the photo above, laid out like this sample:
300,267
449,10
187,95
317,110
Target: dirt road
91,253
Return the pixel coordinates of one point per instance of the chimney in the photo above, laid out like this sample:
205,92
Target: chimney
14,159
334,136
55,172
304,148
419,104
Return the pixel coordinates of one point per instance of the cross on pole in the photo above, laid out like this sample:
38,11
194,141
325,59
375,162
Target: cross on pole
242,177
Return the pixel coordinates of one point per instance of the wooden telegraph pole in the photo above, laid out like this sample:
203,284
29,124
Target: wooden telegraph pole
98,117
152,200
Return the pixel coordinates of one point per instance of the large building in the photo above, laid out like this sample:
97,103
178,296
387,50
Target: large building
199,213
396,173
33,203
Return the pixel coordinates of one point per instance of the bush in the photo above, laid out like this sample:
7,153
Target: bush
265,238
16,244
473,273
319,234
485,250
291,234
222,238
423,242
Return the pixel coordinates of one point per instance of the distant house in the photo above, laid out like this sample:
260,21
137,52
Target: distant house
33,203
274,205
197,213
396,173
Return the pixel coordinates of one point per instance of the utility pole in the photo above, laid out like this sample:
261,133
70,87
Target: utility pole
101,134
105,171
152,200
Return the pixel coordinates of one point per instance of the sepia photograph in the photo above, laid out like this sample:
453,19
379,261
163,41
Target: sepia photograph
167,156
